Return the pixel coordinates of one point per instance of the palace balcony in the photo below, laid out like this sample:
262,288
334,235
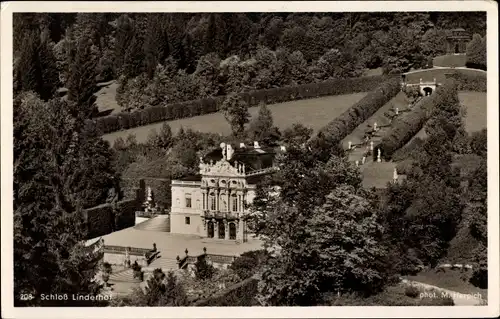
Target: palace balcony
208,214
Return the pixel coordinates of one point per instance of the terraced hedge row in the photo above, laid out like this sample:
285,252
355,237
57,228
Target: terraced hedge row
123,121
344,124
404,128
409,124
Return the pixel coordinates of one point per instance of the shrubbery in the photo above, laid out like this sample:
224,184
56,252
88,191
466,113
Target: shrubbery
476,53
243,294
412,291
469,82
249,263
123,121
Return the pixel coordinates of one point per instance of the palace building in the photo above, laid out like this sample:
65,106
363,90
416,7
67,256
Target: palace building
213,203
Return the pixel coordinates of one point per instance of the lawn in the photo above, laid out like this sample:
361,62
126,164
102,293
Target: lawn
449,279
450,60
475,104
314,113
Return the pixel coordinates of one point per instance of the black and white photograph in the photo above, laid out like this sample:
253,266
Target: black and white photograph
204,156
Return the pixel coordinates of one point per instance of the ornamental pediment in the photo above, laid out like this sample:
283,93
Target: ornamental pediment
220,168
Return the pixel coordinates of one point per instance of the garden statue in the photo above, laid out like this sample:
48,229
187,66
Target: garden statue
379,156
350,145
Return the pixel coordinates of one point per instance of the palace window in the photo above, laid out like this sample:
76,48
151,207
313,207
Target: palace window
212,201
235,203
188,200
187,220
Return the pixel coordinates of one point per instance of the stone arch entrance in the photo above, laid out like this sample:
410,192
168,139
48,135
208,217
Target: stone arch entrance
222,230
457,48
232,231
210,229
427,91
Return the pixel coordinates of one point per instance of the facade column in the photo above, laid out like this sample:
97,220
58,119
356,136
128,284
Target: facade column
228,201
203,202
226,229
216,199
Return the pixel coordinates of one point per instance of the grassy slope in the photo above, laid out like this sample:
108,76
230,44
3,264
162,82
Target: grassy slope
450,60
314,113
475,104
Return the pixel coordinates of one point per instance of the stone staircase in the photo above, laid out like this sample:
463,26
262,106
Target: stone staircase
159,223
383,119
164,263
126,275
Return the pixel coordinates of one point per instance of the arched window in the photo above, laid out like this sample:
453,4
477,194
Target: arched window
232,231
212,201
223,202
178,202
210,230
188,200
222,230
234,200
198,205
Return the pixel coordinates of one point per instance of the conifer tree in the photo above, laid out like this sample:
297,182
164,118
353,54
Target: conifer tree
81,82
60,167
262,128
36,68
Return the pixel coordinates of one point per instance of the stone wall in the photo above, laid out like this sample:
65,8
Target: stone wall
119,259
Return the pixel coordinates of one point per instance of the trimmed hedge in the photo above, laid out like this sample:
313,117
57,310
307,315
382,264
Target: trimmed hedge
125,213
99,220
344,124
404,128
123,121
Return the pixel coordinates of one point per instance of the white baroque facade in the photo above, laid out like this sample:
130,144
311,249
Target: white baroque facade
213,204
